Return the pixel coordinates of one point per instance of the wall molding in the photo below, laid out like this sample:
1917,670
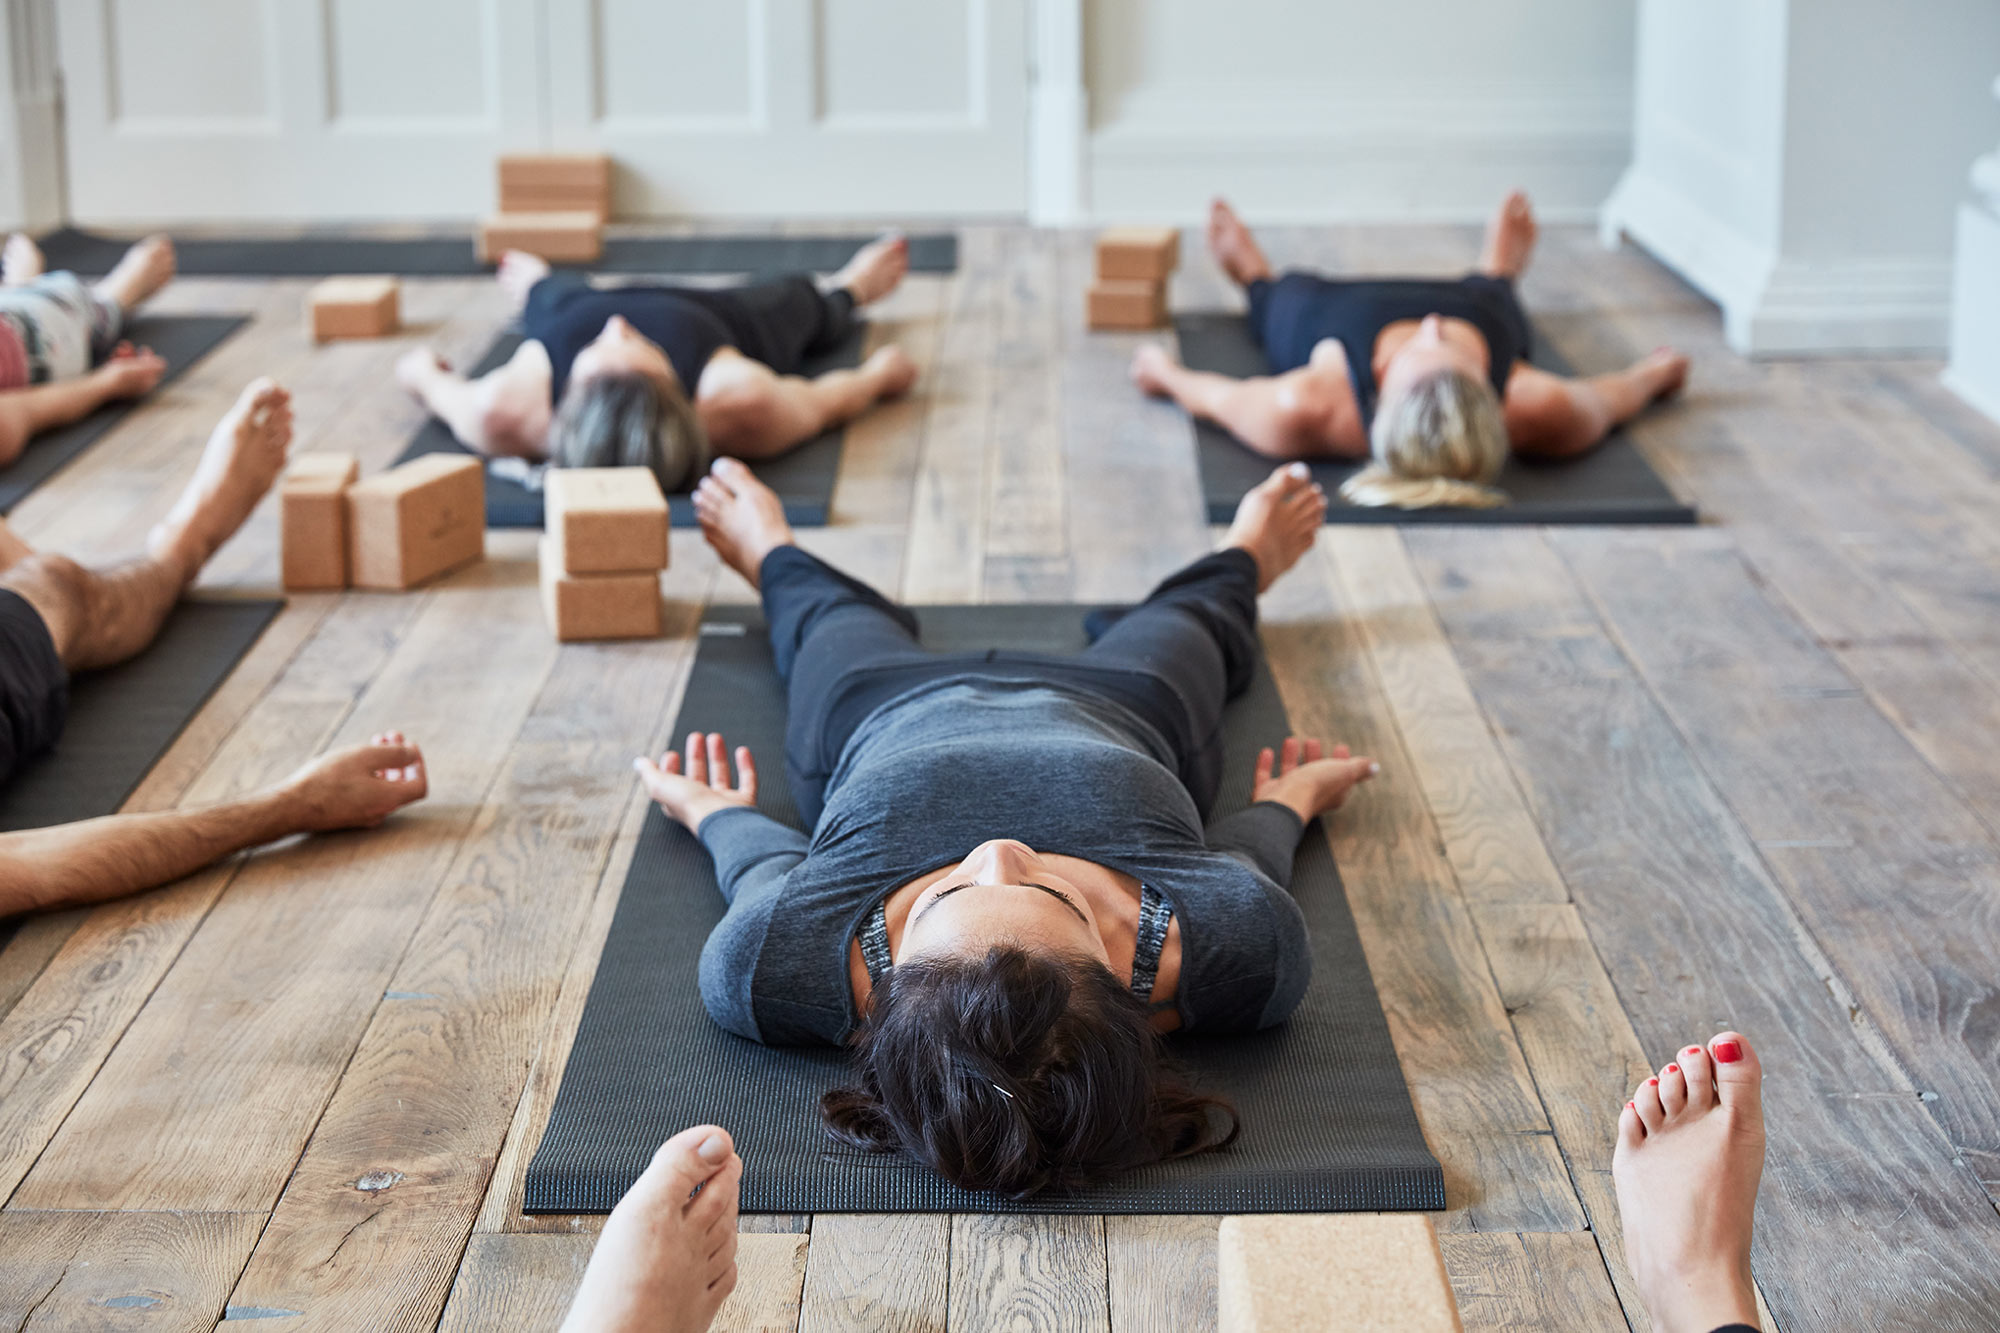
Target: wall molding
31,177
1774,305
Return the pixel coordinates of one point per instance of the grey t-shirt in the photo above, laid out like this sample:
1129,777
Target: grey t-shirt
936,771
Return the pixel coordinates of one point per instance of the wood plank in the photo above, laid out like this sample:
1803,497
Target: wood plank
113,1271
527,1281
877,1271
1858,1178
878,463
1026,553
54,1041
1162,1273
224,1073
1027,1273
1530,1281
27,951
1842,807
1481,1114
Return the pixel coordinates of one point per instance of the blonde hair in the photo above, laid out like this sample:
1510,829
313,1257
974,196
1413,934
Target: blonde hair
1442,443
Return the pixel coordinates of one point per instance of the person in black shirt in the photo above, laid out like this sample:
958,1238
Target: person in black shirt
1430,375
668,377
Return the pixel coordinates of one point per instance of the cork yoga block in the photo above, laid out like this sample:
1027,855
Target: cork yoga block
1358,1272
606,520
1142,254
354,307
312,520
561,238
1127,304
415,522
598,606
570,174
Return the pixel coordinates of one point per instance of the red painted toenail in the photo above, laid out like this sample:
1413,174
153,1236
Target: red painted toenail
1728,1052
1673,1069
1652,1082
1692,1050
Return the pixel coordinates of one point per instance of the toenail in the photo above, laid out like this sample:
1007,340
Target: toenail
1652,1083
1673,1069
1728,1052
714,1148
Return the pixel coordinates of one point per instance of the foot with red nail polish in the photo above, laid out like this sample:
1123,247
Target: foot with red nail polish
1690,1152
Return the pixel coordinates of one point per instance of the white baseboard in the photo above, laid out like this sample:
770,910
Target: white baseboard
1454,170
1774,305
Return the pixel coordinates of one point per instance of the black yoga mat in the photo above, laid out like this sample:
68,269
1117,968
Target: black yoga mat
1611,484
803,478
122,719
1327,1120
181,339
447,256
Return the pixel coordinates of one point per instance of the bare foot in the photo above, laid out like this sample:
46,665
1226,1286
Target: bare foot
1690,1151
666,1261
1666,371
1152,366
243,457
1234,247
417,367
876,268
1278,521
1510,238
893,370
743,519
519,272
146,267
21,261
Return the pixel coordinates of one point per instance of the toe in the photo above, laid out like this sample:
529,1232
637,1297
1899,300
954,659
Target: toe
1631,1130
1673,1090
1739,1076
1699,1075
1646,1100
687,1159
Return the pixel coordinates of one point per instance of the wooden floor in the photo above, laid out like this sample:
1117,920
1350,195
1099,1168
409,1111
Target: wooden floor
1637,786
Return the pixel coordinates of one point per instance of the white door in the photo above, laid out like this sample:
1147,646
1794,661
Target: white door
812,108
178,110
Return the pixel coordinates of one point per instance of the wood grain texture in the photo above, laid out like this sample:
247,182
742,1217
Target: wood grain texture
524,1282
1528,1281
1675,898
108,1272
950,508
1481,1114
877,1271
1162,1273
1027,1273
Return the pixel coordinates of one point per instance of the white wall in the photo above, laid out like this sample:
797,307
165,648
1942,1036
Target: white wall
1356,109
30,136
1803,162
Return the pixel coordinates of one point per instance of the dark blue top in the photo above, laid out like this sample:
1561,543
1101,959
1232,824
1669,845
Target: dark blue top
933,773
565,314
1294,314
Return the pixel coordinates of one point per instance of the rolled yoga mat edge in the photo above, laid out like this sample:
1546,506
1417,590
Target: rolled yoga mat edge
123,719
181,340
1327,1120
803,477
1611,485
93,255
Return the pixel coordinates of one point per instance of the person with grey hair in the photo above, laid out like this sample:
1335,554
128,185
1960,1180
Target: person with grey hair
667,378
1429,376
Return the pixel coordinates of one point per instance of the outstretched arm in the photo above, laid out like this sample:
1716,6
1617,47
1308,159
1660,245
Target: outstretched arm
1304,413
503,414
750,411
1549,416
26,412
99,859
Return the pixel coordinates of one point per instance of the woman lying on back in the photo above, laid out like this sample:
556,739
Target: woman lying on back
1008,892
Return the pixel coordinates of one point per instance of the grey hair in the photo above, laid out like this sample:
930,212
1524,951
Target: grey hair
1441,443
630,421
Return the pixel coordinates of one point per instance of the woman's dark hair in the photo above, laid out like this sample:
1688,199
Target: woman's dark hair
630,421
1018,1072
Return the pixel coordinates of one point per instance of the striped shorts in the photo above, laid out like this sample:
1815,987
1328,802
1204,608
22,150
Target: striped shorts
54,328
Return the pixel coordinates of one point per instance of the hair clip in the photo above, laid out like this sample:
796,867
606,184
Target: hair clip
1002,1091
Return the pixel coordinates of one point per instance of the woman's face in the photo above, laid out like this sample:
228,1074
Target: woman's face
621,350
1435,346
1003,893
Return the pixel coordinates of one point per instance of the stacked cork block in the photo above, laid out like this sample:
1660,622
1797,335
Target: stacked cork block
551,204
312,521
1358,1272
356,307
413,523
1133,265
602,555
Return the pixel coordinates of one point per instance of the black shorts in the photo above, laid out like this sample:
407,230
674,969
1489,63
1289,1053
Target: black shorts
34,687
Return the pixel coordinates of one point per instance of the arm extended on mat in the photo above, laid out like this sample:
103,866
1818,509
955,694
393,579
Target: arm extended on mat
26,412
753,854
99,859
1551,417
1300,777
750,411
1309,412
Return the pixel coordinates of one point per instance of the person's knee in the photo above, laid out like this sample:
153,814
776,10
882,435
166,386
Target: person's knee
59,589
